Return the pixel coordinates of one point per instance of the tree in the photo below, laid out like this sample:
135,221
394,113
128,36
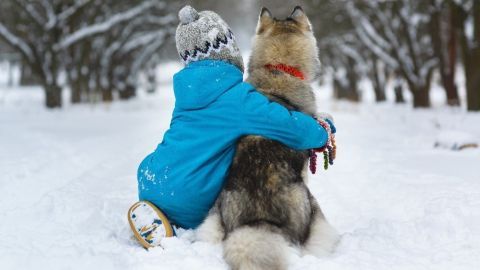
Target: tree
110,63
56,35
396,33
341,59
442,33
466,16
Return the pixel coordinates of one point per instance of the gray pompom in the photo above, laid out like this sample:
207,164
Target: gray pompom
187,15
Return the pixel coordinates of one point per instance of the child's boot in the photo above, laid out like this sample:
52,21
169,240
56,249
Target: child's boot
149,224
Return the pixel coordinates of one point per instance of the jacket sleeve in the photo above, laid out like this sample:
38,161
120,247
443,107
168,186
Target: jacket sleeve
271,120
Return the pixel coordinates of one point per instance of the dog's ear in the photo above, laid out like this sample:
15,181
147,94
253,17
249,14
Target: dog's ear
299,16
265,19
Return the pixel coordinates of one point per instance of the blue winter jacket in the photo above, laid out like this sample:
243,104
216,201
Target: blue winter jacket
213,109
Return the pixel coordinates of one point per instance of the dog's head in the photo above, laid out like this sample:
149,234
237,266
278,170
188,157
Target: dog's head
289,41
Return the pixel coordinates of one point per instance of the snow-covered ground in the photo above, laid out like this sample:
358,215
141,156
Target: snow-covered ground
67,179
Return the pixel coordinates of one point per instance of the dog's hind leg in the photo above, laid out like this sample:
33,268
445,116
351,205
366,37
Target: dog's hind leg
211,229
323,237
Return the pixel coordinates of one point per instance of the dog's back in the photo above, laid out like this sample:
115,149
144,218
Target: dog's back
265,205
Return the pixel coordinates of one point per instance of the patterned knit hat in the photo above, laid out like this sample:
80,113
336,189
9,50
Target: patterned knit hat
204,35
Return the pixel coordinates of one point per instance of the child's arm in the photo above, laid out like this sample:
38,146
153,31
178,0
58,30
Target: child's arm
272,120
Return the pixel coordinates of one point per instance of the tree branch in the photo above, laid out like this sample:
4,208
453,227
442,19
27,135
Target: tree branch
105,26
72,9
16,42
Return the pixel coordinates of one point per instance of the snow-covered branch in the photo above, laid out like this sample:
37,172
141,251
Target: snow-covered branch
72,9
146,54
398,39
16,42
370,37
105,26
31,11
49,10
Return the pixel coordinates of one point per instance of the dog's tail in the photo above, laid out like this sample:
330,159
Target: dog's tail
255,248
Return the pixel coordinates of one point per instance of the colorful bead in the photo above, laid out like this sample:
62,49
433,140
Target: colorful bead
313,161
329,150
330,154
325,160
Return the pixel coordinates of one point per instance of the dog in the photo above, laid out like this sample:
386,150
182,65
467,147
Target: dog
265,206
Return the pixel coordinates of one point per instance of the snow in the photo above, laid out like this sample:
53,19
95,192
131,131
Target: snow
455,140
68,178
105,25
415,59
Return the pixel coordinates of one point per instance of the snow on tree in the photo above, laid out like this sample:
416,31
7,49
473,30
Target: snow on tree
93,42
396,32
111,62
349,53
342,61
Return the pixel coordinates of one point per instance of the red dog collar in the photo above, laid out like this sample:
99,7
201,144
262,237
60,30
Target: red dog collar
287,69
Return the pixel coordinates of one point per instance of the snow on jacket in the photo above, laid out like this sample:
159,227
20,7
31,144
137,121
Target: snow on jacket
213,109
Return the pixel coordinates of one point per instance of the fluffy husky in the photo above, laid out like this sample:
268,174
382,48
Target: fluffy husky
265,206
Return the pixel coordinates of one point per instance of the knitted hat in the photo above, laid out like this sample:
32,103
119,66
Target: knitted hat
204,35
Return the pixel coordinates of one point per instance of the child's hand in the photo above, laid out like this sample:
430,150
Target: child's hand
329,149
327,118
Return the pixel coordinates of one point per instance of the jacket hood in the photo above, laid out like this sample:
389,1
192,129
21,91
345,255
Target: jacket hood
202,82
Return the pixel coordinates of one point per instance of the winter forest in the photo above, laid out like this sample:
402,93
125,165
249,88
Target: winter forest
86,92
98,51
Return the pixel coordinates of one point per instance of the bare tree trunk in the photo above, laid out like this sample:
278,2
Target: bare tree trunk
76,94
344,91
338,89
128,92
378,82
473,85
473,76
107,95
53,96
470,54
352,79
379,93
421,96
27,75
442,33
10,73
449,78
106,90
398,89
151,80
451,89
75,88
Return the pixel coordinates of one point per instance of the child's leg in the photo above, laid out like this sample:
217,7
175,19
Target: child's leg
149,224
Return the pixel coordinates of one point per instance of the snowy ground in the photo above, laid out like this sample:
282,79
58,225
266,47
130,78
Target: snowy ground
67,179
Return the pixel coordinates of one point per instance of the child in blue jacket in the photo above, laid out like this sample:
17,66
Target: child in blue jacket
180,181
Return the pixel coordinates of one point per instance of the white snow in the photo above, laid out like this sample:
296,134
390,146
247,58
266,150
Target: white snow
455,140
68,177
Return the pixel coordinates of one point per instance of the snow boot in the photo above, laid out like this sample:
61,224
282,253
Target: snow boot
149,224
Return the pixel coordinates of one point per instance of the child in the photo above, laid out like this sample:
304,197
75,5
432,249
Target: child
182,178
